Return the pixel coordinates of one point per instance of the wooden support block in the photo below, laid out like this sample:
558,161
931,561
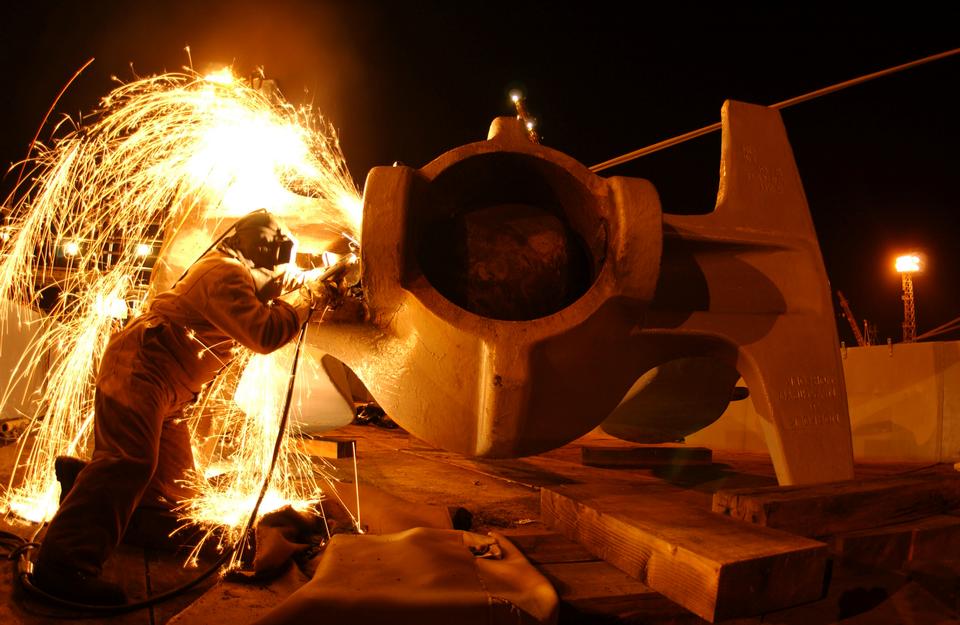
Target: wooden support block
328,446
713,566
885,548
936,538
596,592
891,547
593,580
644,456
551,548
825,509
592,591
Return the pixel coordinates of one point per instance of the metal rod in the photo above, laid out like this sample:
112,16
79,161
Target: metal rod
356,486
693,134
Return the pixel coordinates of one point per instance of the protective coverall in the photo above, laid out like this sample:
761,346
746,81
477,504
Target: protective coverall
150,371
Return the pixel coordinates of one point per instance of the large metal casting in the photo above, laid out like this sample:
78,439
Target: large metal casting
513,297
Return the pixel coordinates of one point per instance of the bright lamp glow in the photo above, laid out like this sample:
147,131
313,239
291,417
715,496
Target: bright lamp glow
908,263
71,248
143,249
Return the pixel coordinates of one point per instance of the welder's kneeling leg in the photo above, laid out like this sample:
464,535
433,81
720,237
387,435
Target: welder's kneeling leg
69,584
95,513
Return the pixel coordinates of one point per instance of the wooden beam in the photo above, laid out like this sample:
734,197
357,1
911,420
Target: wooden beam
592,591
596,592
891,547
551,548
328,446
825,509
936,538
713,566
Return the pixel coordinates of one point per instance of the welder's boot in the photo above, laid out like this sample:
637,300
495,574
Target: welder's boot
67,468
69,584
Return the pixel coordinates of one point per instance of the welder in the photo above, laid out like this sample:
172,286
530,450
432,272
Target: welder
151,370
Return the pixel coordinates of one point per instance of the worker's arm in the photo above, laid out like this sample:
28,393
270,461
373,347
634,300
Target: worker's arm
300,301
233,307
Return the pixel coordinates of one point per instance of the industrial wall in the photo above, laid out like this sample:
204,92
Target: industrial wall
21,326
904,406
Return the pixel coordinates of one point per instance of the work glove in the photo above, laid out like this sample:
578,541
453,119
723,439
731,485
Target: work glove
302,302
317,293
319,289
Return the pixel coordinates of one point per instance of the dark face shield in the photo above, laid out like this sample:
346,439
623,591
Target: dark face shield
262,241
268,250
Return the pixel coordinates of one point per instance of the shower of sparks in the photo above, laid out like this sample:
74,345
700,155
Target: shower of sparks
235,426
161,152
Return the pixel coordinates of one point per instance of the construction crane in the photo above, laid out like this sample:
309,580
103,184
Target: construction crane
848,315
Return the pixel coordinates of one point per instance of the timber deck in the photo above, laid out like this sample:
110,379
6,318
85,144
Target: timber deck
898,570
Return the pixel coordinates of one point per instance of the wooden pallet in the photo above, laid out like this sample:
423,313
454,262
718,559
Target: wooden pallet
713,566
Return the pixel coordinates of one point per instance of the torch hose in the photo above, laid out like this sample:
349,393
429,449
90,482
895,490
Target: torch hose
24,567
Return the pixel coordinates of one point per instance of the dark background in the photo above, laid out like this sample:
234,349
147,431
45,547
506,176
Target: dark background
408,81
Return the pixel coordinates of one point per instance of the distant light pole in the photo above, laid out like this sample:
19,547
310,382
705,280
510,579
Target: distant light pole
907,265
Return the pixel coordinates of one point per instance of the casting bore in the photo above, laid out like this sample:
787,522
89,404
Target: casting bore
505,236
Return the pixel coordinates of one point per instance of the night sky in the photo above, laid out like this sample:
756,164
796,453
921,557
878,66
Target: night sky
408,81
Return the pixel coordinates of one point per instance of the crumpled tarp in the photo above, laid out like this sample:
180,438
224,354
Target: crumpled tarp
280,536
419,577
286,533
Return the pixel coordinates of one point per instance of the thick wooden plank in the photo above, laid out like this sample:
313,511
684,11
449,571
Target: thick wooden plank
825,509
865,596
328,446
592,580
595,592
932,538
936,538
644,456
521,472
550,548
709,564
886,548
494,504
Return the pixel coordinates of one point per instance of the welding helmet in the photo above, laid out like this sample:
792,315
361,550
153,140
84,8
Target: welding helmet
262,240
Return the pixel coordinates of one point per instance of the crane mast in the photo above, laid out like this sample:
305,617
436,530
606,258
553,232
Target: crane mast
848,315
